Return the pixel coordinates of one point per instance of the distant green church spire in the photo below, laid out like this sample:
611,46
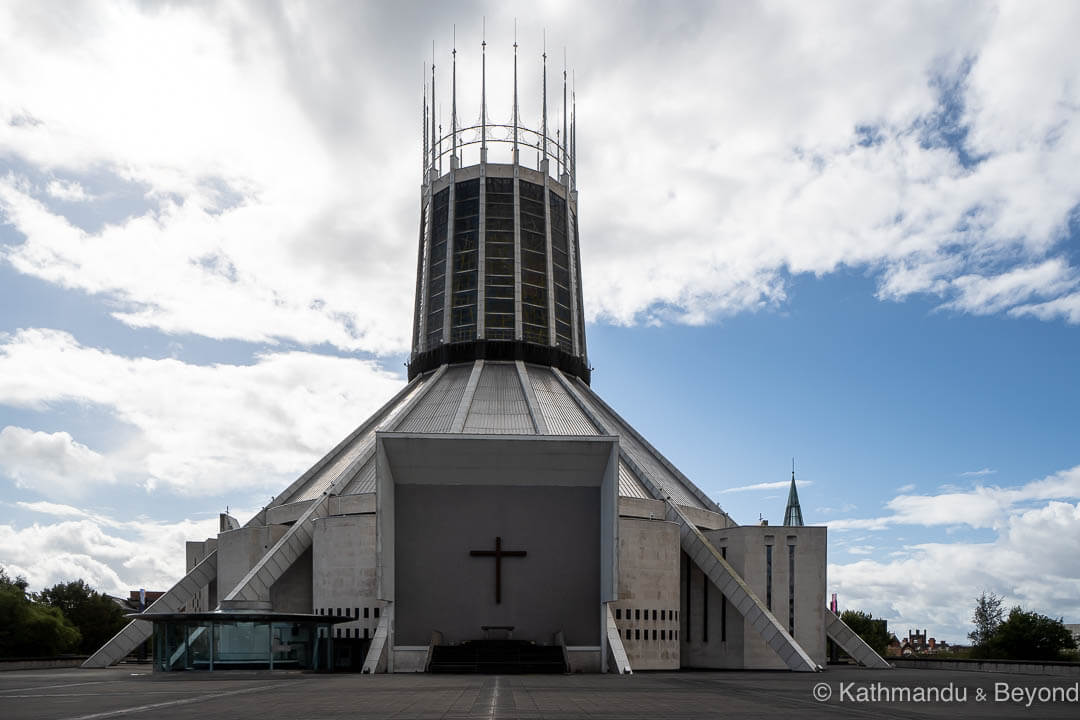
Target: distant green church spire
793,513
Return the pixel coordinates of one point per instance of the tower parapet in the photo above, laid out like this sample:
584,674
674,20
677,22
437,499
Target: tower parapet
498,263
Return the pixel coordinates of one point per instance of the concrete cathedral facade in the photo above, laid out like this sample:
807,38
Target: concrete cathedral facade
496,510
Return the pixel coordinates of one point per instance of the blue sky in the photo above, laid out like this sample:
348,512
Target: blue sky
851,242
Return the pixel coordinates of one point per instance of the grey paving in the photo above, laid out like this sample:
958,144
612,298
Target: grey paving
130,691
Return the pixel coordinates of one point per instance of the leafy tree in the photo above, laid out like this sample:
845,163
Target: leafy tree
1030,636
986,617
28,628
874,632
95,614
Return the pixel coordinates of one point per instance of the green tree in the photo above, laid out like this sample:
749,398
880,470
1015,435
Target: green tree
28,628
873,631
96,615
986,617
1029,636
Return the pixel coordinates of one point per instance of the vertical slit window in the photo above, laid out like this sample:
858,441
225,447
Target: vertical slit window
499,260
463,281
704,608
436,277
577,279
534,307
791,589
723,606
768,576
689,584
560,267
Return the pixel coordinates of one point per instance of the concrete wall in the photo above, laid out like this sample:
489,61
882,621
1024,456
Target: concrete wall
646,612
440,587
994,666
710,630
343,572
738,645
206,598
239,550
583,659
293,590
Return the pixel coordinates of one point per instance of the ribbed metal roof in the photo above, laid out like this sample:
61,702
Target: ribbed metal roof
346,457
560,411
498,407
435,412
490,398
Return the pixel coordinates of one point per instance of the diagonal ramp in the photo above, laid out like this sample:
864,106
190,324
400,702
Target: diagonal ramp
615,645
838,631
138,631
255,585
705,556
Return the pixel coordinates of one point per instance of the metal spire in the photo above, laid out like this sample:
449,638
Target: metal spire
483,92
423,127
573,135
453,102
543,120
434,137
515,95
793,513
565,133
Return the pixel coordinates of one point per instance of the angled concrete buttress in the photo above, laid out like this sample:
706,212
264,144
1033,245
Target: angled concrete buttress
705,556
138,631
739,594
255,586
615,645
378,656
838,631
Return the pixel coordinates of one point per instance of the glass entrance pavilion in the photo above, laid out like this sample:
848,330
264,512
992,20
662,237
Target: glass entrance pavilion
241,640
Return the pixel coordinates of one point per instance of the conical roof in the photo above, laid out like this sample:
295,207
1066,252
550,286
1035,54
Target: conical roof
793,513
496,398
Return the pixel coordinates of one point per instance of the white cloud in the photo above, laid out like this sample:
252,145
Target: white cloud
968,473
766,486
1034,561
67,190
905,488
112,556
201,429
979,507
721,147
52,464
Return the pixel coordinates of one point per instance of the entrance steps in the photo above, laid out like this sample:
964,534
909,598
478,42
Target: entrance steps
497,656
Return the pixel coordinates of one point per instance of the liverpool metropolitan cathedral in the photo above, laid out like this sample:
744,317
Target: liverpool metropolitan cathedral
496,514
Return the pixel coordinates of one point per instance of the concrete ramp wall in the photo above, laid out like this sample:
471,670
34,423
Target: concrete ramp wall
853,645
138,631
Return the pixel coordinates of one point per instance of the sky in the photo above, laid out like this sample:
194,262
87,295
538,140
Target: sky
845,233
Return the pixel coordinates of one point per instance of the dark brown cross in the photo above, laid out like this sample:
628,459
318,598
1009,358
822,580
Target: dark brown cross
498,553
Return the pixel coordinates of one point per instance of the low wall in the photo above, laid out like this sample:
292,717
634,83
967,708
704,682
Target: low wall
1002,666
41,663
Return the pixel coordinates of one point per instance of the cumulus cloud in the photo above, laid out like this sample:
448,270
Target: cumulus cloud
983,506
722,149
52,464
1032,560
112,556
780,484
200,428
67,190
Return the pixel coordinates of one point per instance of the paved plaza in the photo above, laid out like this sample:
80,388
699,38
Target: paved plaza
131,691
